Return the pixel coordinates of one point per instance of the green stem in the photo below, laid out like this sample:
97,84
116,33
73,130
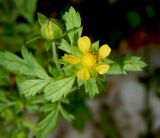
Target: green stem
55,58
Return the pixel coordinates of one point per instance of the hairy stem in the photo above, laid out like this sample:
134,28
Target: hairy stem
55,58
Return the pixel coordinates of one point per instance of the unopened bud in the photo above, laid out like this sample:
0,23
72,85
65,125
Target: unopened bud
51,30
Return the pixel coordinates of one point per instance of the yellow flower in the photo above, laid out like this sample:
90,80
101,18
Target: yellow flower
89,60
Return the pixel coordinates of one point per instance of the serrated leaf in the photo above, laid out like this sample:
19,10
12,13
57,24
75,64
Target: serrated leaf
42,19
133,64
72,20
63,45
66,115
27,66
91,87
47,125
33,87
14,63
116,69
58,89
34,65
124,64
95,46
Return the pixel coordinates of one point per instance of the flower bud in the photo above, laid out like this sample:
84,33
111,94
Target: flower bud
51,30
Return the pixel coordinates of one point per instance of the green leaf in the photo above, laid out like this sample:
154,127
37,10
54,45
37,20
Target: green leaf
95,46
80,82
47,44
26,8
27,66
32,87
116,69
19,3
108,61
133,64
28,124
66,115
34,65
42,19
124,64
3,97
91,87
116,66
31,7
72,20
76,51
64,45
58,89
22,28
49,107
47,125
14,63
53,71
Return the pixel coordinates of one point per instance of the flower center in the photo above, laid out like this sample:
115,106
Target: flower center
88,60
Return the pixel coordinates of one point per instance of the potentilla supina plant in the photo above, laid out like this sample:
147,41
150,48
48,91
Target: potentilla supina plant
89,60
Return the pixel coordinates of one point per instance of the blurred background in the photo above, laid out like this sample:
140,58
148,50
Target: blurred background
129,107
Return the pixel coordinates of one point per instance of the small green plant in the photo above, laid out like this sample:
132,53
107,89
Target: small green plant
17,23
75,66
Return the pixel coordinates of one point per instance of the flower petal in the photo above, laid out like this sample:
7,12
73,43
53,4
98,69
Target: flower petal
101,69
83,74
71,59
84,44
104,51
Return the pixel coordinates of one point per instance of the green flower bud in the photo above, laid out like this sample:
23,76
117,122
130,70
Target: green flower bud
51,30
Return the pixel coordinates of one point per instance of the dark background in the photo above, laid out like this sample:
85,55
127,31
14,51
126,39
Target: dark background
109,20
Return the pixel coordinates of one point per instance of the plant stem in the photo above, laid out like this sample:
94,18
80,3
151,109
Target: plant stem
55,58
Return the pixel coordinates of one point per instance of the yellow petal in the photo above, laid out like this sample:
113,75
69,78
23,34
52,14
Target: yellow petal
101,69
83,74
104,51
84,44
71,59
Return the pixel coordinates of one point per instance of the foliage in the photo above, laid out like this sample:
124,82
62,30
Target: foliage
47,94
17,23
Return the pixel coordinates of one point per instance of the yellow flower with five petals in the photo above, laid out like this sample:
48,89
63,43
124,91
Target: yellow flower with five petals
89,60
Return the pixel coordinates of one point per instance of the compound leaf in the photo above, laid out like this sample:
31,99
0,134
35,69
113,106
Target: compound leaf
58,89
